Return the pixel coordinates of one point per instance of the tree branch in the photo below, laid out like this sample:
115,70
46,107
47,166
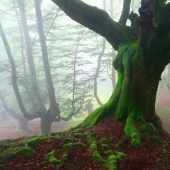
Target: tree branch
125,12
99,21
14,76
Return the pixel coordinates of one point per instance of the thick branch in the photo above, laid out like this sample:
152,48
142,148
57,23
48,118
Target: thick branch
97,20
125,12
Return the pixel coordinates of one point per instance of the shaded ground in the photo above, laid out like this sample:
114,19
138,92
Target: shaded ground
8,128
150,156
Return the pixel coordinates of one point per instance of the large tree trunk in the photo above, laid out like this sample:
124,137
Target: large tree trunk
141,59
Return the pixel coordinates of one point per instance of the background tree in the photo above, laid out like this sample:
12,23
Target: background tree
140,61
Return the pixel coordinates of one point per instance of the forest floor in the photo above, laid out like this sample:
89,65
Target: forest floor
8,128
74,151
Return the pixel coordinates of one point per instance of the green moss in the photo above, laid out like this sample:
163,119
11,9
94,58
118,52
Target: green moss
145,136
114,158
78,135
98,157
96,154
68,140
90,137
93,146
65,156
103,141
51,158
11,152
164,151
140,119
111,138
109,152
132,131
112,161
106,146
161,161
148,128
72,145
120,155
33,142
157,140
26,151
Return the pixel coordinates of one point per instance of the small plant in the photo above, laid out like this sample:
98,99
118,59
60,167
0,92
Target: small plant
109,152
72,145
51,158
164,151
105,146
65,156
157,140
111,138
96,154
103,141
77,135
35,141
148,128
68,140
160,161
98,157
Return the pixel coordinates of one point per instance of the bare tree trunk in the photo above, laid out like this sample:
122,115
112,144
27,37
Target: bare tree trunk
30,58
14,73
53,113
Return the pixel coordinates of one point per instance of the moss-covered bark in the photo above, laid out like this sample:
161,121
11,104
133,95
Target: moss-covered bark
141,59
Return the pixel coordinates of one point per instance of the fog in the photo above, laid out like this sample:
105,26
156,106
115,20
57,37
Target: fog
82,73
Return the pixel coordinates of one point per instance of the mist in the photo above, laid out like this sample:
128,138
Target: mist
66,73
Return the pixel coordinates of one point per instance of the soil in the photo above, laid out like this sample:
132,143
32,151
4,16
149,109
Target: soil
148,157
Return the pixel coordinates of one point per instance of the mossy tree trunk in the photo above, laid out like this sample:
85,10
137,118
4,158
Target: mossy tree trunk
143,53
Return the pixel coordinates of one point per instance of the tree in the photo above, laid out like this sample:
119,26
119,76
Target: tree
38,108
143,53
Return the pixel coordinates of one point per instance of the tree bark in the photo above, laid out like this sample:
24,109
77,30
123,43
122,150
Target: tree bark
31,64
54,106
140,62
53,114
14,76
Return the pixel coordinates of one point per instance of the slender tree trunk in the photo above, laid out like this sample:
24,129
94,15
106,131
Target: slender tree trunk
14,75
31,64
21,44
54,112
22,125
